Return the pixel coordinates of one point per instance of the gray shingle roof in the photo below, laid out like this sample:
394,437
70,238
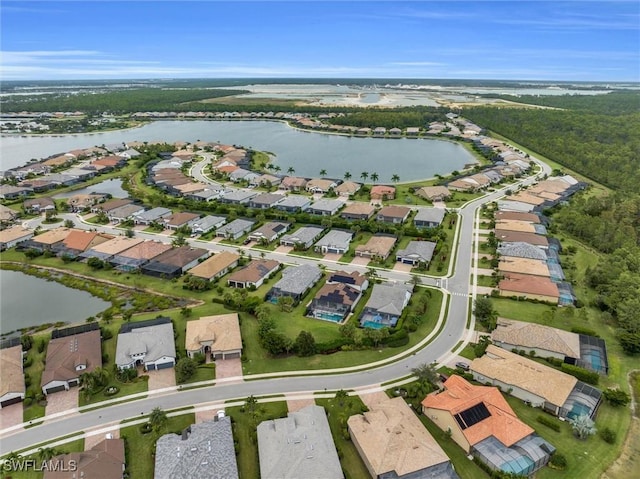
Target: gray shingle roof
294,201
303,235
156,341
389,298
207,453
519,249
431,215
297,279
422,250
236,226
298,446
336,238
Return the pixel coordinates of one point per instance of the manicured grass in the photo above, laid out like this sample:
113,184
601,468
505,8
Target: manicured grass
338,414
586,459
37,359
245,435
204,372
73,446
487,281
140,384
140,448
464,467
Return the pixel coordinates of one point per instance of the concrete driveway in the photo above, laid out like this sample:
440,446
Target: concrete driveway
62,401
294,405
284,249
360,261
332,257
10,415
228,368
164,378
405,268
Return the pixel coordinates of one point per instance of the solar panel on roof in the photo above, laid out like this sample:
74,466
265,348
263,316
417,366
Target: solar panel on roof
473,415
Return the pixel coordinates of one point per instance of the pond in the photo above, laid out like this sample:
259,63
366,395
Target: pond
112,187
30,301
306,152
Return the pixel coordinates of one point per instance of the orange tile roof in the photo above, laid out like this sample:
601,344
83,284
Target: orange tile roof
460,395
527,283
82,240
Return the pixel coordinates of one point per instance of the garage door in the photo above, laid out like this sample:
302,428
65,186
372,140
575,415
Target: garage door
9,402
164,366
56,389
232,356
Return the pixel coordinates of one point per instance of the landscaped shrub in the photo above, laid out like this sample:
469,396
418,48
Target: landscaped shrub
585,331
608,435
558,461
554,361
584,375
550,423
332,346
616,397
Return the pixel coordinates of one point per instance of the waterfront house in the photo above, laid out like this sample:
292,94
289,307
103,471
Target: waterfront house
79,241
149,344
434,193
320,185
133,258
204,450
529,287
298,446
215,336
483,424
13,236
293,183
254,274
347,188
71,353
382,192
392,442
216,266
108,249
12,387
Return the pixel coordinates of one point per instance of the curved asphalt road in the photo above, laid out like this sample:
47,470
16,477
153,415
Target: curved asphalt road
458,285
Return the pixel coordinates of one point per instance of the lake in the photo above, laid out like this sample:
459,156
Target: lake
31,301
306,152
112,187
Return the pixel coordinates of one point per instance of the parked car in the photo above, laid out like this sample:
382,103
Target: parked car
463,366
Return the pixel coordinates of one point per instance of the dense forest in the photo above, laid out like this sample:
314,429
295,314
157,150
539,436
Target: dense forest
603,147
392,118
598,137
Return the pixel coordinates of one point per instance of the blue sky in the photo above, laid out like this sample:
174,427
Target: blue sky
512,40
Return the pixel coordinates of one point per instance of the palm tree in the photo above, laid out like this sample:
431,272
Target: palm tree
374,177
347,175
395,178
364,175
291,170
341,397
158,419
46,453
323,172
276,168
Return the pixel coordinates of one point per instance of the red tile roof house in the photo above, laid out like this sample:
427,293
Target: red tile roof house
483,424
529,287
382,192
393,214
68,357
293,183
254,274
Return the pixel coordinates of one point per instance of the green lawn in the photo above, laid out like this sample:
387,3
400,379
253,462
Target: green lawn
487,281
32,409
245,436
204,372
140,448
337,413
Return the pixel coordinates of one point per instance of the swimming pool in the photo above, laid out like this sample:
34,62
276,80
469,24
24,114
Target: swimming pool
335,317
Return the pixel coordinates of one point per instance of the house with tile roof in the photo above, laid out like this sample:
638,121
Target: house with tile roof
534,267
48,240
13,236
482,423
347,188
382,192
254,274
79,241
434,193
504,236
105,460
582,350
133,258
147,343
108,249
68,357
217,336
320,185
216,266
12,387
385,305
538,385
529,287
293,183
298,446
204,450
392,442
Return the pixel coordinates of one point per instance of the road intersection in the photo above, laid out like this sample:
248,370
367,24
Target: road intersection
457,321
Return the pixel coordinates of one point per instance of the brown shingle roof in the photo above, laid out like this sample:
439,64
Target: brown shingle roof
179,219
64,354
181,256
515,225
529,284
358,208
460,395
378,245
517,216
254,271
146,250
513,236
104,461
394,211
113,204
